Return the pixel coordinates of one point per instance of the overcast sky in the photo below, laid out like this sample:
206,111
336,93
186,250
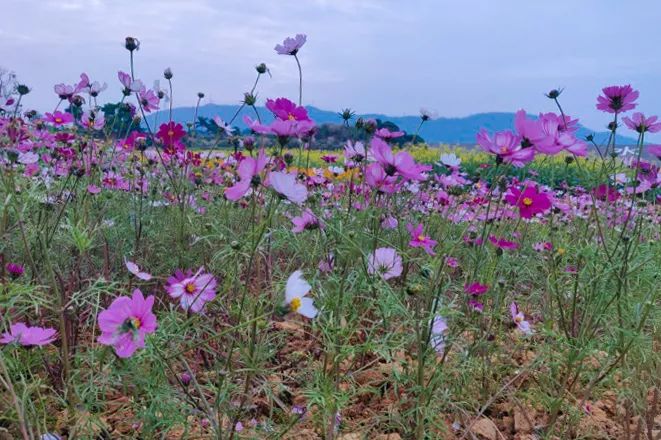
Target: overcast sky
386,56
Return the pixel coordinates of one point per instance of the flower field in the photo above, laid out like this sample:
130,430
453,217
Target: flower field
264,289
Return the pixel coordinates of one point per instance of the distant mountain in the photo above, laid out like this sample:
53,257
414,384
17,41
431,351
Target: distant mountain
440,130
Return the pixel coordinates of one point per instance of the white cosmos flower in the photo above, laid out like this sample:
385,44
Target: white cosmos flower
450,160
295,292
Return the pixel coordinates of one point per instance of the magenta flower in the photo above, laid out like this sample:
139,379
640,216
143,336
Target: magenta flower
530,130
15,270
401,163
385,263
125,79
506,146
476,289
641,124
171,134
285,110
520,320
355,151
606,192
286,185
501,243
475,305
305,222
529,201
617,99
419,239
28,336
291,46
58,119
193,291
126,322
248,172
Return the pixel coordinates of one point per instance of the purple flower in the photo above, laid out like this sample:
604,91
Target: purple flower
385,262
28,336
641,124
617,99
126,322
193,291
291,46
501,243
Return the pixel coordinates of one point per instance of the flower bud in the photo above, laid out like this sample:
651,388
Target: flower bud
22,89
185,378
200,95
261,68
249,99
132,44
167,73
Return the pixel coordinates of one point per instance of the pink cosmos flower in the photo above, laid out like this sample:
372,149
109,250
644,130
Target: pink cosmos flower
476,289
419,239
291,46
606,192
543,246
28,336
148,99
452,262
286,185
530,130
92,120
125,79
58,119
385,262
248,172
285,110
507,146
557,138
520,320
384,133
617,99
475,305
135,270
641,124
193,291
376,177
126,322
439,327
529,201
305,222
112,180
355,151
401,163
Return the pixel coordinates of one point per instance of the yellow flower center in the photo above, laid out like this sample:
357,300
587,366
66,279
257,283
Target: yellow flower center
135,323
58,120
518,318
504,150
170,133
295,304
527,201
190,288
291,117
421,237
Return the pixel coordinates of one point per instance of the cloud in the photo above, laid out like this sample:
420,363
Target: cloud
372,55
